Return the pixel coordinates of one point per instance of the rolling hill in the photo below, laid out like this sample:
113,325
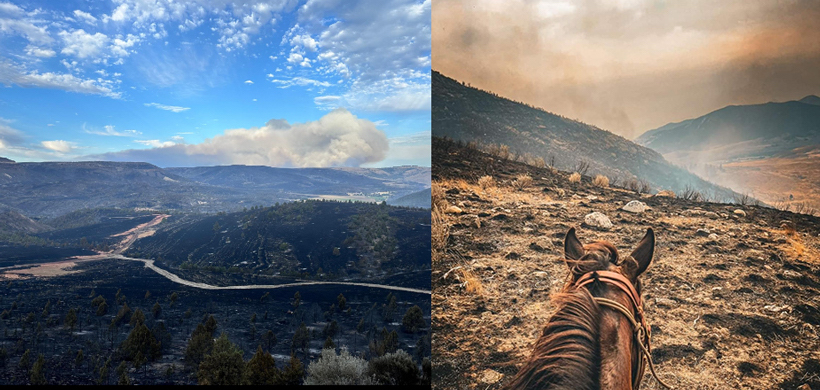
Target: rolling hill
739,132
467,114
311,238
770,150
51,189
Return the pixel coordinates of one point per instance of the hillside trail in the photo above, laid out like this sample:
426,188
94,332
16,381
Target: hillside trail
732,295
147,229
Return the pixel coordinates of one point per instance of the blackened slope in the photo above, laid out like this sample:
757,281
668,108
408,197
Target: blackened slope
468,114
309,238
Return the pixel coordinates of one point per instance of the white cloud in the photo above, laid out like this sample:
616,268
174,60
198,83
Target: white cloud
27,28
109,131
248,82
82,44
155,143
300,81
10,74
295,58
40,52
167,107
337,139
85,16
59,146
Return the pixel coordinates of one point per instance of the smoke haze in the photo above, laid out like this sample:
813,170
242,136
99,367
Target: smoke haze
631,65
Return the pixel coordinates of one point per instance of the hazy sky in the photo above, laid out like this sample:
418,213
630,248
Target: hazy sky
631,65
274,82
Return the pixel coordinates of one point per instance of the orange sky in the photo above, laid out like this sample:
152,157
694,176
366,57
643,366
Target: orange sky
631,65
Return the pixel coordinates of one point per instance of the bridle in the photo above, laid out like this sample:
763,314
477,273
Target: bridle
636,317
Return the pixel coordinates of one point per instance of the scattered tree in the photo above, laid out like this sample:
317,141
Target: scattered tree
71,319
413,320
342,302
294,372
78,361
261,370
156,310
223,366
37,377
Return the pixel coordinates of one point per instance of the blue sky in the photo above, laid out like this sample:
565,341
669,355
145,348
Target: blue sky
210,82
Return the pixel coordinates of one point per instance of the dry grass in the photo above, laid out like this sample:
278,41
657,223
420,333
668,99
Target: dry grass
575,177
437,194
600,181
522,181
486,182
439,232
472,284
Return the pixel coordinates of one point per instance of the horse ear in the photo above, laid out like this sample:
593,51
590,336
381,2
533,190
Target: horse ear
573,249
644,251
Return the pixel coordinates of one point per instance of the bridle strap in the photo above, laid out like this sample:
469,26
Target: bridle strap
642,331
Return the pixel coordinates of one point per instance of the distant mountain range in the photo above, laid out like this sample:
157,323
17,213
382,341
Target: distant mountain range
51,189
769,150
739,132
464,113
417,199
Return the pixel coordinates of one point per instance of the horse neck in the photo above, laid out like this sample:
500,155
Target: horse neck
617,349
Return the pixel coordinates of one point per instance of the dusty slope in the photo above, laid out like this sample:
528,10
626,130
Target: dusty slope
739,310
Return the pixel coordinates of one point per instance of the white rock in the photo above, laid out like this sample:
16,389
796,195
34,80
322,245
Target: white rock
635,206
740,212
591,197
713,237
452,210
597,219
791,274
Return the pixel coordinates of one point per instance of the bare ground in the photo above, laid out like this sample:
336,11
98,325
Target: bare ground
736,310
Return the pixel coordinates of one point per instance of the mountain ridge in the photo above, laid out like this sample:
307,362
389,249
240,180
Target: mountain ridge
468,114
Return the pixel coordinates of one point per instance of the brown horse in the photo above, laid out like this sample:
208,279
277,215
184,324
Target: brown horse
598,336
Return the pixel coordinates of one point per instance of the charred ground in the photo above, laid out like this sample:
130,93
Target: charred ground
737,306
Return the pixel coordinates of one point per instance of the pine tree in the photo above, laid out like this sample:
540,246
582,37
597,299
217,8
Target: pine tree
413,320
261,369
223,366
71,319
37,377
78,361
294,372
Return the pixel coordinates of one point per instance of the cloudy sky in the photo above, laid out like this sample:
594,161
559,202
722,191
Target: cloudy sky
629,66
205,82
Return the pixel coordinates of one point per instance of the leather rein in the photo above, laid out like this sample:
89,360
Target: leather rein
641,329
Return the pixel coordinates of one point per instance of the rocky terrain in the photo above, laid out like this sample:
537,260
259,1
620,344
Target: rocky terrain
732,296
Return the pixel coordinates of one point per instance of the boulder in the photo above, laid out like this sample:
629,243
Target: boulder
740,213
703,232
635,206
598,220
453,210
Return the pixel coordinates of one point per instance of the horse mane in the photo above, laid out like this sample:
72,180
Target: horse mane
567,355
